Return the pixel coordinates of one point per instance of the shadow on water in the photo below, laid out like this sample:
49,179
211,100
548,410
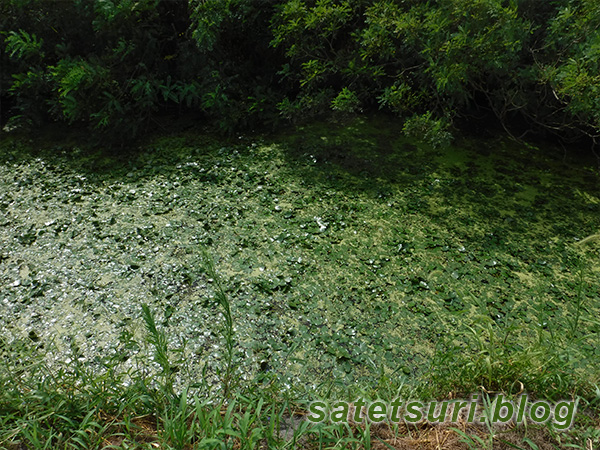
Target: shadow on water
513,188
494,185
72,150
505,186
361,153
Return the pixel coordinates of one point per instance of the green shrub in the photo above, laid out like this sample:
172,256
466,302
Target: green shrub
115,66
572,67
425,128
346,102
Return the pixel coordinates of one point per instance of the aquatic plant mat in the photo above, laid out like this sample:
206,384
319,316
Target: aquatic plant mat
351,261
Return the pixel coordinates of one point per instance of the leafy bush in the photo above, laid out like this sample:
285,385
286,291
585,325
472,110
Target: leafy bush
116,66
572,67
92,62
425,128
346,102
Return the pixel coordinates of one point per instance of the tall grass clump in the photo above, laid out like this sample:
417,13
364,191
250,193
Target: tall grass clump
552,358
226,372
512,359
158,340
73,406
494,359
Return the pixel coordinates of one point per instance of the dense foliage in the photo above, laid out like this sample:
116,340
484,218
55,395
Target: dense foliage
532,66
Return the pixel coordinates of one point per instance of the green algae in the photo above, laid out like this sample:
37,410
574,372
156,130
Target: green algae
345,249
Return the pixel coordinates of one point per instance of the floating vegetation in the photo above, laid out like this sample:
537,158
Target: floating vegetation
346,251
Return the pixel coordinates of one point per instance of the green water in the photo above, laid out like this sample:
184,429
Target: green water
346,250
